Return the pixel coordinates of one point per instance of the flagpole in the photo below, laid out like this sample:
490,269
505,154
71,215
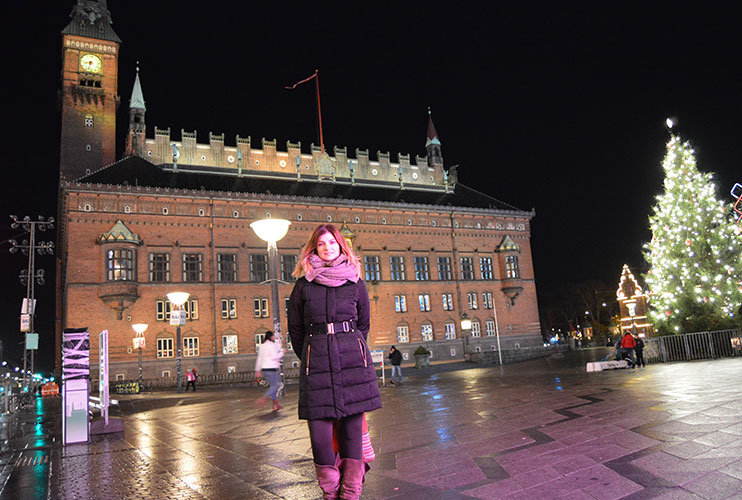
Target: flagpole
319,111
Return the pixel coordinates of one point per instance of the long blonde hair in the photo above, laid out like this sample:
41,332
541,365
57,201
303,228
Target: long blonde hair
303,266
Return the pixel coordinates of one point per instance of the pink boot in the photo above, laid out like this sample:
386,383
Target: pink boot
353,473
329,480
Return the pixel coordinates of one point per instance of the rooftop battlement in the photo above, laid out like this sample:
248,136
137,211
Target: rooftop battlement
268,160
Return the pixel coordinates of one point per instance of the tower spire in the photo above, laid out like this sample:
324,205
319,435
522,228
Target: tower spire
432,143
137,127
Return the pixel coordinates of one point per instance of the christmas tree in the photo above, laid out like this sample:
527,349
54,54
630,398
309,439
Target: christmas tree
695,272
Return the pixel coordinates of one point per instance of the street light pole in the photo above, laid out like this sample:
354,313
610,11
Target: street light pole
177,318
30,276
139,342
497,329
465,332
271,231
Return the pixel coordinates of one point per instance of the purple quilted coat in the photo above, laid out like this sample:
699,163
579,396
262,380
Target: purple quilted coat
337,376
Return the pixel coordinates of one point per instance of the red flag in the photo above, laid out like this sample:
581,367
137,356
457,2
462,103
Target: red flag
303,81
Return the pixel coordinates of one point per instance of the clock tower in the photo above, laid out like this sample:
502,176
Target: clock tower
89,93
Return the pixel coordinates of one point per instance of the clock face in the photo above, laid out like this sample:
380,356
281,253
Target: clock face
91,63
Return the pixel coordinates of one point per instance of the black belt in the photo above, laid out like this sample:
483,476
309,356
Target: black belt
332,328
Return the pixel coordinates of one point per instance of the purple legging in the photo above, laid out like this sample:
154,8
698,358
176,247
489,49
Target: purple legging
320,435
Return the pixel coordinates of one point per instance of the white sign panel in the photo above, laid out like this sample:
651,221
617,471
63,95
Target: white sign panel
25,322
177,318
103,373
75,389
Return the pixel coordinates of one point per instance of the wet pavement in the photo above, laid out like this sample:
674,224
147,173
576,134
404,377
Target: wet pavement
540,429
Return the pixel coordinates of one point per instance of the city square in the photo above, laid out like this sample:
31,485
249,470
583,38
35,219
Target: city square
539,429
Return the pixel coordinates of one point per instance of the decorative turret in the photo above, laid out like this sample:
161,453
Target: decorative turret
433,144
137,127
91,19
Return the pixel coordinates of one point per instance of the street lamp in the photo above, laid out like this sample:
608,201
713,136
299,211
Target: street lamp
177,317
465,332
271,231
139,342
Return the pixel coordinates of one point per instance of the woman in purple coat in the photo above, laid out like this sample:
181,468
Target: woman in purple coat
328,324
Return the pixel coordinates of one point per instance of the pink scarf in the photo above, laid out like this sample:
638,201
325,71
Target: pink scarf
334,273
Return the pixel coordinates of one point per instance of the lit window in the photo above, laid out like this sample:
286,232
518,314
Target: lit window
400,303
427,332
444,268
467,268
487,300
485,268
471,299
165,348
190,346
475,329
163,308
512,269
396,268
450,331
424,300
403,334
229,344
372,267
260,308
120,264
229,308
421,269
447,302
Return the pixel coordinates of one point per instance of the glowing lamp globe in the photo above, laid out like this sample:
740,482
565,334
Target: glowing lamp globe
178,298
140,328
465,322
271,230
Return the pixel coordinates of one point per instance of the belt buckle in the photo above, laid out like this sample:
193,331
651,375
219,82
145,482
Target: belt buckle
346,326
330,328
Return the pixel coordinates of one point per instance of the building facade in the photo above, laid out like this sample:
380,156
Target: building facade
633,304
174,215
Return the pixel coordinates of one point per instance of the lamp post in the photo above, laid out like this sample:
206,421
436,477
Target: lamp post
271,231
177,317
465,333
497,329
139,342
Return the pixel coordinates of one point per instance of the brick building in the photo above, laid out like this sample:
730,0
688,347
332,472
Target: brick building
174,215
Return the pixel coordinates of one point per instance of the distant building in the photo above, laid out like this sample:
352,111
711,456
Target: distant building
173,215
633,303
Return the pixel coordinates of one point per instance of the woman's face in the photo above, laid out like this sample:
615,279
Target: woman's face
327,248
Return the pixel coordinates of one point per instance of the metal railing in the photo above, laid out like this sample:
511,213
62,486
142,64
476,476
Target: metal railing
691,346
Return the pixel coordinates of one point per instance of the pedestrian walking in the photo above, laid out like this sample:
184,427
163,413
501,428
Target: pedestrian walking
328,323
639,351
190,380
395,357
268,364
626,347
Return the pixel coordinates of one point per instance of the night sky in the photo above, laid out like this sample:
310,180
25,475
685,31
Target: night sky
555,108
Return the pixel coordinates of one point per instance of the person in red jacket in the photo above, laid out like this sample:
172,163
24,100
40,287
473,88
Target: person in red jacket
626,347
